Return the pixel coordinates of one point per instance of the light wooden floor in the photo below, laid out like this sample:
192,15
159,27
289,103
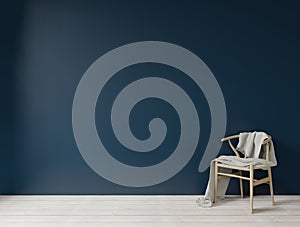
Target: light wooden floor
145,211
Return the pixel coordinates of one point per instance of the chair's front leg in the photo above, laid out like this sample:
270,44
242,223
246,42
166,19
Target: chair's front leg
251,188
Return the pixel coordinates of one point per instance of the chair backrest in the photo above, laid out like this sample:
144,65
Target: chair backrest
265,143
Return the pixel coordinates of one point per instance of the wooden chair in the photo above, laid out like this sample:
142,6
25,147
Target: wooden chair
250,169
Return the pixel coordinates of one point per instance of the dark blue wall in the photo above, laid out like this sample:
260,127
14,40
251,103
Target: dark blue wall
252,48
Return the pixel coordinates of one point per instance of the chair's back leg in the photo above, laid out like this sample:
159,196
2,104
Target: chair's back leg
216,182
271,185
241,185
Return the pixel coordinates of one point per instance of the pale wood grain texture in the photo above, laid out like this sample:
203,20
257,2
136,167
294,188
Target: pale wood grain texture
107,211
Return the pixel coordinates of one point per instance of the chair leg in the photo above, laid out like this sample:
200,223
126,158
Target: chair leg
241,185
216,182
271,185
251,188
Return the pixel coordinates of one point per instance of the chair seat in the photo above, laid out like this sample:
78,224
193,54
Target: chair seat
244,168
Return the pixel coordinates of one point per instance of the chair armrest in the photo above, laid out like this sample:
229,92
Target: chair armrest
230,144
229,138
266,141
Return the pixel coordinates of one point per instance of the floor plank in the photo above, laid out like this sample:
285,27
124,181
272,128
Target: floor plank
145,211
